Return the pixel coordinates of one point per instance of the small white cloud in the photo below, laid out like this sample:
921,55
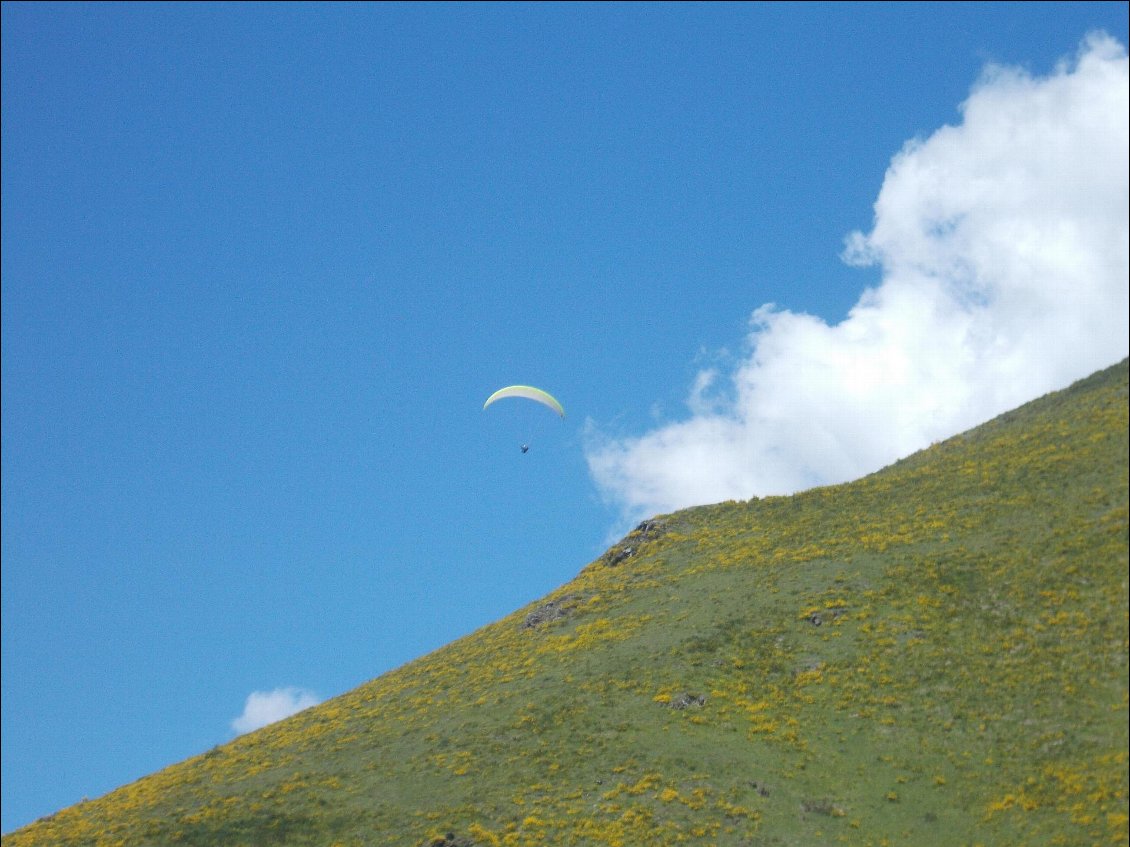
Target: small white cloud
266,707
1004,248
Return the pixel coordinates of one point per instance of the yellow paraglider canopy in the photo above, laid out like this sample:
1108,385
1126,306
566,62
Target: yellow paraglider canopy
529,393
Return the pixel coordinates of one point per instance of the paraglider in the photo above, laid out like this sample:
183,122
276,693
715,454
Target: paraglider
527,392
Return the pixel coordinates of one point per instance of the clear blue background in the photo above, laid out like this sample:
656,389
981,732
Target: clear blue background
263,263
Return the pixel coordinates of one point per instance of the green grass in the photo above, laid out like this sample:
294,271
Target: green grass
935,654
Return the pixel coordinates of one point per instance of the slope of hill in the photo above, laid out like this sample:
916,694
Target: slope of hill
934,654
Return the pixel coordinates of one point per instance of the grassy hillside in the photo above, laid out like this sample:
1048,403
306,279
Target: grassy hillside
935,654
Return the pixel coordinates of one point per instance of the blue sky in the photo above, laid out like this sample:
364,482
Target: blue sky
262,264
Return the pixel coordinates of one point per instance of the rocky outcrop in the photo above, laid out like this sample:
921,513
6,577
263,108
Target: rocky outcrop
645,532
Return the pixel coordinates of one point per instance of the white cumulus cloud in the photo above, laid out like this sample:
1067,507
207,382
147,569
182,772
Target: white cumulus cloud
265,707
1003,249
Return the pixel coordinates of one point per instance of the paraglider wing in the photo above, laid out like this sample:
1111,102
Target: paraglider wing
529,393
